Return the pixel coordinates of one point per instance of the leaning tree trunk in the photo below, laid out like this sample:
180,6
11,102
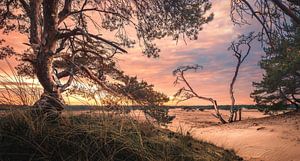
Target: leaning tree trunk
217,115
238,53
233,112
51,102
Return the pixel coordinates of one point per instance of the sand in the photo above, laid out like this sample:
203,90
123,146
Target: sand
258,137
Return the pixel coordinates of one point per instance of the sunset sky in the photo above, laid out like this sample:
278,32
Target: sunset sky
210,51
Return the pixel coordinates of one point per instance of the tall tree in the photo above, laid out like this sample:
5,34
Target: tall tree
65,39
280,23
281,81
241,49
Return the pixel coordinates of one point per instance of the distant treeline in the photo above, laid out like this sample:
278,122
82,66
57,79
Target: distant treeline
136,107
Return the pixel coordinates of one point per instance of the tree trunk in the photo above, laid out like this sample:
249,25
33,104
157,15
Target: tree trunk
232,115
240,114
51,102
235,115
218,115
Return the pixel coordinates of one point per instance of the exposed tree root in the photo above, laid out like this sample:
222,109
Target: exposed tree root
50,106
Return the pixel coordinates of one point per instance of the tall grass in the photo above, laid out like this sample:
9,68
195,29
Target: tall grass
102,137
17,90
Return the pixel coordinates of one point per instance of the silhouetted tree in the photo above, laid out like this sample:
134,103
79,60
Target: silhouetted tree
241,50
141,93
187,92
129,90
65,40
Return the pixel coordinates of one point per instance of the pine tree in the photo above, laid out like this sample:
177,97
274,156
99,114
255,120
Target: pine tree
281,81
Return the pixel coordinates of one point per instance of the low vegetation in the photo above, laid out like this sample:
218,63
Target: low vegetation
97,137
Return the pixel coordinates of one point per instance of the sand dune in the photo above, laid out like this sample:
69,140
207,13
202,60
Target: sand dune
257,138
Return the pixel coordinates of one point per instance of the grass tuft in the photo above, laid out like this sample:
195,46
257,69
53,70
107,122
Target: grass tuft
100,137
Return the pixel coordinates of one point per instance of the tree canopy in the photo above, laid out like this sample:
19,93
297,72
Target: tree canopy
280,23
66,40
281,81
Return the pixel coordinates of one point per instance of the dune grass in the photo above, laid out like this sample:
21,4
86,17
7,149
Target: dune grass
102,137
16,89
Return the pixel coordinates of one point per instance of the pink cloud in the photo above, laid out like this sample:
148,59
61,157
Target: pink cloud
210,50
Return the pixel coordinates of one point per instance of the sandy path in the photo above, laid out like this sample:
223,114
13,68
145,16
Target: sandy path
265,139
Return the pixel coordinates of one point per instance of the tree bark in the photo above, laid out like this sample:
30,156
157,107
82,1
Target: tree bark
235,115
218,115
51,102
232,116
240,114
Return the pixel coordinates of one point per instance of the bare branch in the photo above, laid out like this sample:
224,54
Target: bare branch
189,93
287,11
244,40
273,16
26,7
79,31
93,77
69,82
63,14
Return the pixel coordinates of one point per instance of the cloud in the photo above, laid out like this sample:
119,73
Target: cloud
210,50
